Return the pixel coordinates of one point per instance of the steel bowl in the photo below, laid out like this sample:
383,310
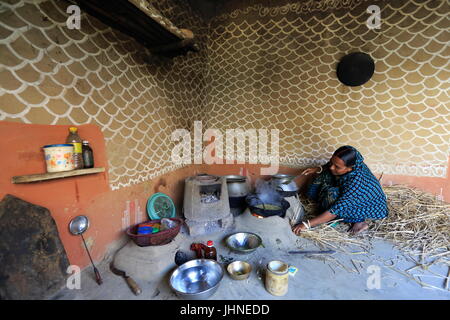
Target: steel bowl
239,270
197,279
243,242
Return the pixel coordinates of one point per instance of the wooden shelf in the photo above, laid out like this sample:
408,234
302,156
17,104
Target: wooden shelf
55,175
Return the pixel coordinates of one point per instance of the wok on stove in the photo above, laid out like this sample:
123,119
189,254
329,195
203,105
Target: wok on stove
267,209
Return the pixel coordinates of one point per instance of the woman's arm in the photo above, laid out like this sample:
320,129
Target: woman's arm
322,218
318,169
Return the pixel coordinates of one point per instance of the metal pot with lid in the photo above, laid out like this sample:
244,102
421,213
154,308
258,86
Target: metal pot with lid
285,184
238,189
237,185
206,178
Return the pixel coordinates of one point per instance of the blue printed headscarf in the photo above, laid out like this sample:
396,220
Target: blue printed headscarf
357,168
360,194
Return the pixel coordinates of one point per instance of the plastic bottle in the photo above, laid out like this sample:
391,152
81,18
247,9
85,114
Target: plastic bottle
197,247
167,224
210,251
75,139
88,155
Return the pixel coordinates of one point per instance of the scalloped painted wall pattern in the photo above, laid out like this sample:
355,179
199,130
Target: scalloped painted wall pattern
259,67
50,74
274,67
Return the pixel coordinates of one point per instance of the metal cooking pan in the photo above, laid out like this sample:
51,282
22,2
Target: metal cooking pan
267,209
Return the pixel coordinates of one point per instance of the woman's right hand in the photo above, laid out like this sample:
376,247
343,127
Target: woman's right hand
310,171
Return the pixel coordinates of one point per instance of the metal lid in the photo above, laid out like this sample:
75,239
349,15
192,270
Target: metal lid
282,176
235,178
206,178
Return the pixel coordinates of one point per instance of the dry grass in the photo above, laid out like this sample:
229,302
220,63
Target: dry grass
329,236
418,224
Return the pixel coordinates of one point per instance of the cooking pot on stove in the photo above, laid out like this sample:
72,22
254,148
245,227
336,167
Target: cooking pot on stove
267,209
237,186
284,184
238,189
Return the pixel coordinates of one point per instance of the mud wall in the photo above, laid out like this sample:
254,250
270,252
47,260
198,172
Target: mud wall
272,65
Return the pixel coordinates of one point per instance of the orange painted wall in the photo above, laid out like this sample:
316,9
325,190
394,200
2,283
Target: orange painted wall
88,195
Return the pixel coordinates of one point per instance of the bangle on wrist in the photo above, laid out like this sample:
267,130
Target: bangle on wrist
307,224
321,169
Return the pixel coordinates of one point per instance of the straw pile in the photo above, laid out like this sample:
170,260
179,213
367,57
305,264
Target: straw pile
418,224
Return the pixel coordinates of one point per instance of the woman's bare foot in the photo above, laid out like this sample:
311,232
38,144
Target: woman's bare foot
359,227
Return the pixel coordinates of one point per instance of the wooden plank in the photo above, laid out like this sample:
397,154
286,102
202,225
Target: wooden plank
155,15
141,20
54,175
172,46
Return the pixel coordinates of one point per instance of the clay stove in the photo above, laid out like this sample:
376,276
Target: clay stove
206,205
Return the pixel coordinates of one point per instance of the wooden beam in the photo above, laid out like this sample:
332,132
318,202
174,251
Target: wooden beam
175,46
155,15
142,21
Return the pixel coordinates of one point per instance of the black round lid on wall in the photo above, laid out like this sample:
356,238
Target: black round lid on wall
355,69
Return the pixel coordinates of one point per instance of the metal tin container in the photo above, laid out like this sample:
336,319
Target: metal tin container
277,274
237,186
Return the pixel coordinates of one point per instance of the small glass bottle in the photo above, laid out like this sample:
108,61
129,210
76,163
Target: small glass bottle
197,247
76,141
88,155
210,251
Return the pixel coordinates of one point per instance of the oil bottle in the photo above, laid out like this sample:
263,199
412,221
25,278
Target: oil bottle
75,139
210,251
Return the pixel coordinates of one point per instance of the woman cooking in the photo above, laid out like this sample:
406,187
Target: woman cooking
345,189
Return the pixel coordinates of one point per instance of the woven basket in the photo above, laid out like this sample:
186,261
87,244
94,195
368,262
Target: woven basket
154,239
